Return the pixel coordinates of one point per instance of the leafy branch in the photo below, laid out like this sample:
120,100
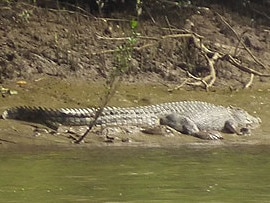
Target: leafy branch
122,60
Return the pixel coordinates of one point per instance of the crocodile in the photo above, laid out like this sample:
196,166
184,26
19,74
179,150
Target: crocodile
196,118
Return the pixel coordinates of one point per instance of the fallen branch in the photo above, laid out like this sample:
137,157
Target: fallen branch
201,81
230,59
179,86
211,62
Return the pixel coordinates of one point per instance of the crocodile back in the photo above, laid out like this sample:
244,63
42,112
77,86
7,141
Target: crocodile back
205,115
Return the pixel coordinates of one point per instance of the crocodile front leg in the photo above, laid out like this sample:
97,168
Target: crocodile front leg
187,126
232,127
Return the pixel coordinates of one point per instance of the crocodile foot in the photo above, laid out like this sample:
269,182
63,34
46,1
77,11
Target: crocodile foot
166,131
208,135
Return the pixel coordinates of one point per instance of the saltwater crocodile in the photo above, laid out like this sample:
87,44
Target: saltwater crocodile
195,118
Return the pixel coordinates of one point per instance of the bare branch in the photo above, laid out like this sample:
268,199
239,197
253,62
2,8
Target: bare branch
240,41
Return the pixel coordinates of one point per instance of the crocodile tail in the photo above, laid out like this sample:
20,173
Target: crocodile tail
50,117
26,113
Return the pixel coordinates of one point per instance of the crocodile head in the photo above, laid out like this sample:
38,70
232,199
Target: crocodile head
244,119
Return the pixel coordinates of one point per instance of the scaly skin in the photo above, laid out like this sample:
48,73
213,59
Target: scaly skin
195,118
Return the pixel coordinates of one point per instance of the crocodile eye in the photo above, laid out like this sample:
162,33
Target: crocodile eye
249,120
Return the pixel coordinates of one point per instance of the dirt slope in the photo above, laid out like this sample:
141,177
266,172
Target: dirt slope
54,41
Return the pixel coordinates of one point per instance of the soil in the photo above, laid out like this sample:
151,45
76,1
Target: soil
43,46
63,43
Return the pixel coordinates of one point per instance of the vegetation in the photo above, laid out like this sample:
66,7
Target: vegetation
123,57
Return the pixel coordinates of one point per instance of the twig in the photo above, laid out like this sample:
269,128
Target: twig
112,38
168,23
126,38
104,52
250,81
173,3
105,102
114,19
239,39
229,58
174,29
145,46
239,42
4,140
260,13
179,86
178,36
43,59
147,10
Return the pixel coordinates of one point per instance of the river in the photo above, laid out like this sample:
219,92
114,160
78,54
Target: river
237,173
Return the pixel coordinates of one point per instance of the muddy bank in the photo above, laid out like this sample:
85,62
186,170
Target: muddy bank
54,57
57,93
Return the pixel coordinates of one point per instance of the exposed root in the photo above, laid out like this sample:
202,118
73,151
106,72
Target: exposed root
250,81
179,86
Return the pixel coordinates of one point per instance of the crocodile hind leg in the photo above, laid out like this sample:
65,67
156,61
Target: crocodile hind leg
187,126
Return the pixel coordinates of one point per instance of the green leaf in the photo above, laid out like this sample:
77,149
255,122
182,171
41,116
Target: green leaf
134,24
